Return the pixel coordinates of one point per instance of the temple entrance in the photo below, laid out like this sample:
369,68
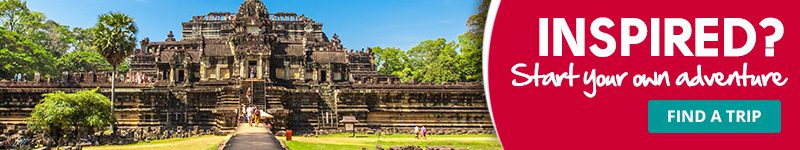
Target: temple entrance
180,76
252,68
323,76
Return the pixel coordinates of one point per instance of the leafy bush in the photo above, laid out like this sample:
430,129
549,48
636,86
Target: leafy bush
71,115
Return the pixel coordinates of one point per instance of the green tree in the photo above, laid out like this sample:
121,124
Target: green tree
438,60
85,57
83,61
477,22
16,17
19,54
124,66
469,61
59,38
83,39
390,59
30,42
12,13
114,37
433,61
73,114
471,44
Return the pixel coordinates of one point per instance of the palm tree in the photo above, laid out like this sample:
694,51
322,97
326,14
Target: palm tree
114,37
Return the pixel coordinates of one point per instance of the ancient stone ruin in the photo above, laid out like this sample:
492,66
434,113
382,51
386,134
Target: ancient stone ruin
296,73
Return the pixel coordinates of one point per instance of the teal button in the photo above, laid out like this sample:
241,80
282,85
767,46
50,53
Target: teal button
714,116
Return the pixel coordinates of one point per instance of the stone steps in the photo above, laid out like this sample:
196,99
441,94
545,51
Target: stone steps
273,97
259,95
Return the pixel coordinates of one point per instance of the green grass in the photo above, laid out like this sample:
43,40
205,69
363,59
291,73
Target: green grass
369,141
212,147
206,142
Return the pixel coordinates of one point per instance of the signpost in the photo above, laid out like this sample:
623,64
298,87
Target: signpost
349,123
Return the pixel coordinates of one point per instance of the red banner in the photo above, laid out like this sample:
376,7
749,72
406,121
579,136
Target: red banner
591,90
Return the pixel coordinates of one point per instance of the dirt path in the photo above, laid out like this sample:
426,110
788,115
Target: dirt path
195,143
249,138
364,141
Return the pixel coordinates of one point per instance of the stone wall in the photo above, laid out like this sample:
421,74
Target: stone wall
391,108
453,110
212,107
143,113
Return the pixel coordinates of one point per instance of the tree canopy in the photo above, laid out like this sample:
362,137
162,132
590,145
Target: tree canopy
439,60
19,54
83,61
434,61
114,37
30,43
390,59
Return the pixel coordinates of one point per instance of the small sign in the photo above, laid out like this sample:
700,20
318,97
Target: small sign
348,127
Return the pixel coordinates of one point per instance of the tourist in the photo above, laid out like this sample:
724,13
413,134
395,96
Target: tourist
250,115
423,133
137,77
248,94
18,77
256,115
252,72
243,114
416,132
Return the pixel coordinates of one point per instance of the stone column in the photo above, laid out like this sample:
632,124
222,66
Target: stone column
259,70
202,70
242,68
217,68
302,73
187,74
265,71
317,75
171,74
286,69
330,74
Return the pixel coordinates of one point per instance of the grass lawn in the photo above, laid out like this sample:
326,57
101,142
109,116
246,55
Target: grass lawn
369,141
206,142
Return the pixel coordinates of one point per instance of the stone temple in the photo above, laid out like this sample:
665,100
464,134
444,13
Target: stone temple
308,81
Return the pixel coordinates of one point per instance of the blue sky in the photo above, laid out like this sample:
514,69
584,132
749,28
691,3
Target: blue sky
359,23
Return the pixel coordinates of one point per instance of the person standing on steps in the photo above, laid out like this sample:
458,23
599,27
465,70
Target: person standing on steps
250,115
249,95
256,115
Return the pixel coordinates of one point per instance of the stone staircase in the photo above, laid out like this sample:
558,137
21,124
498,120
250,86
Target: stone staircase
328,115
228,99
273,96
259,95
329,96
